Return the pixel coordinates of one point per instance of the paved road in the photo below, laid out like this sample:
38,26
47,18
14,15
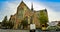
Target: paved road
8,30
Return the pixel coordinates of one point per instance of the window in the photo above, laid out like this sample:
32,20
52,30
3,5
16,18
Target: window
20,13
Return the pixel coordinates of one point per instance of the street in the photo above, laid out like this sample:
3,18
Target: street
10,30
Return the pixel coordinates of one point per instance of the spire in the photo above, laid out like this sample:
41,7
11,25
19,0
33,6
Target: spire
45,9
32,7
22,1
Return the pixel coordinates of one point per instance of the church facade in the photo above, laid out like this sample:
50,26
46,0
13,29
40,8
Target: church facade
23,12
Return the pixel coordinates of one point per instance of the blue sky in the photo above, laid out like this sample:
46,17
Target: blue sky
9,7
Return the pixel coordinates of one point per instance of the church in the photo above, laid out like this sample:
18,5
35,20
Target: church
23,12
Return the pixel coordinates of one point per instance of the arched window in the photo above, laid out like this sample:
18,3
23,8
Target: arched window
20,13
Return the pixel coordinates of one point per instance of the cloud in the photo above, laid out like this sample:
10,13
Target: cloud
53,10
9,9
53,15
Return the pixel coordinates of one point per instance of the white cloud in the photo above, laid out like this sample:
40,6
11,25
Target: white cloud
53,16
9,9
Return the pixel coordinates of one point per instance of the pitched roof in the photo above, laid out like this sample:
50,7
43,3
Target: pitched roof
22,4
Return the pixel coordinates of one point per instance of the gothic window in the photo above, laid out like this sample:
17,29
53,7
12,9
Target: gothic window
20,13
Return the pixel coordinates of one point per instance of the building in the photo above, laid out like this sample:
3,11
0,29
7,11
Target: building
23,12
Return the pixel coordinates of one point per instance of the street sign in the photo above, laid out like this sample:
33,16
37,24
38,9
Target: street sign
32,26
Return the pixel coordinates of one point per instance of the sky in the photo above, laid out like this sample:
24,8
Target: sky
9,7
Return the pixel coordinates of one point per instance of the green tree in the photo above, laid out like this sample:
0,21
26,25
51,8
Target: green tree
4,22
43,18
10,25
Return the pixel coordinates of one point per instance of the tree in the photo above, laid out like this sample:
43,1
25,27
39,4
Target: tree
4,22
43,17
10,25
7,24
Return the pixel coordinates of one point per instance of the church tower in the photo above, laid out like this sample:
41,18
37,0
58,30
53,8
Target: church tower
32,15
32,7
